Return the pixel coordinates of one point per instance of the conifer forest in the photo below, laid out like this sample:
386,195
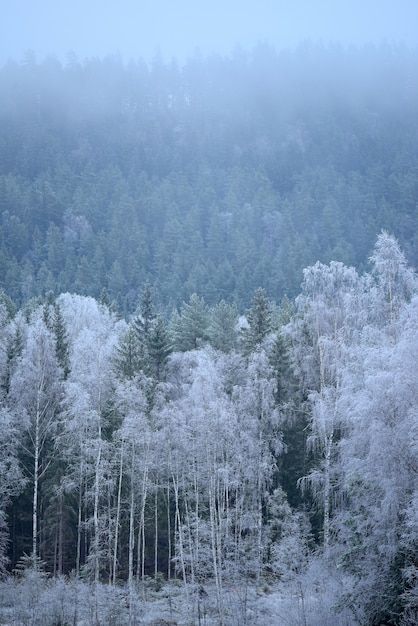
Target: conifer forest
209,339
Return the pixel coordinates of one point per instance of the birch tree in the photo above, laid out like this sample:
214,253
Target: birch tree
262,444
95,333
380,471
35,393
395,282
330,316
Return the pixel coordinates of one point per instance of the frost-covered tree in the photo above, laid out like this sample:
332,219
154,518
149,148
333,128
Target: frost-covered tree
380,469
219,466
259,426
133,442
396,282
329,318
85,428
35,393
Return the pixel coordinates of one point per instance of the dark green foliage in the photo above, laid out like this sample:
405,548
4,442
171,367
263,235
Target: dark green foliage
259,318
222,329
62,346
285,387
7,304
189,328
144,320
14,348
254,169
159,348
54,321
128,361
146,344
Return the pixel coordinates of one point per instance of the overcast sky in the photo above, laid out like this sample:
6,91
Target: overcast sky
138,28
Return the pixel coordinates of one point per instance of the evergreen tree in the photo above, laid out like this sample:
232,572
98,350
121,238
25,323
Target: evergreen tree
189,328
159,348
62,346
259,318
128,360
11,478
142,324
8,304
222,329
147,311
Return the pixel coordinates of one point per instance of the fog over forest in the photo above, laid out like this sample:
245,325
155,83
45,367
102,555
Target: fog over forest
133,30
209,314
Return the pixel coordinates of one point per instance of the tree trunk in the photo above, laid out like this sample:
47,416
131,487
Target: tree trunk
327,492
96,542
35,487
168,533
156,530
117,521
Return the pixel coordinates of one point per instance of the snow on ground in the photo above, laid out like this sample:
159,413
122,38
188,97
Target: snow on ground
39,602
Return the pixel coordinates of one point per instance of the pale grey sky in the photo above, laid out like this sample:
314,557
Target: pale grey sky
137,28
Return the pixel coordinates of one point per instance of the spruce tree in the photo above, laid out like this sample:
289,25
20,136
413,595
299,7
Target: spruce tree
222,327
128,361
190,327
146,314
159,348
62,347
142,324
259,317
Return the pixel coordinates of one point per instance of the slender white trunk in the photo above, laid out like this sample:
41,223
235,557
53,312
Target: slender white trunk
141,529
131,527
168,533
96,514
196,516
259,510
117,521
79,523
179,528
35,491
327,491
131,545
215,549
190,541
156,530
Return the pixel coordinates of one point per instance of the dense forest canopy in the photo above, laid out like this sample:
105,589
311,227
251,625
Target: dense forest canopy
215,178
208,331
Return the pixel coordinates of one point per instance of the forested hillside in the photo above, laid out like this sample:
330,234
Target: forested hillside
215,178
208,340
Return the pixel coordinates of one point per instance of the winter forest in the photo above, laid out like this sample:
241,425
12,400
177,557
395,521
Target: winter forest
208,340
